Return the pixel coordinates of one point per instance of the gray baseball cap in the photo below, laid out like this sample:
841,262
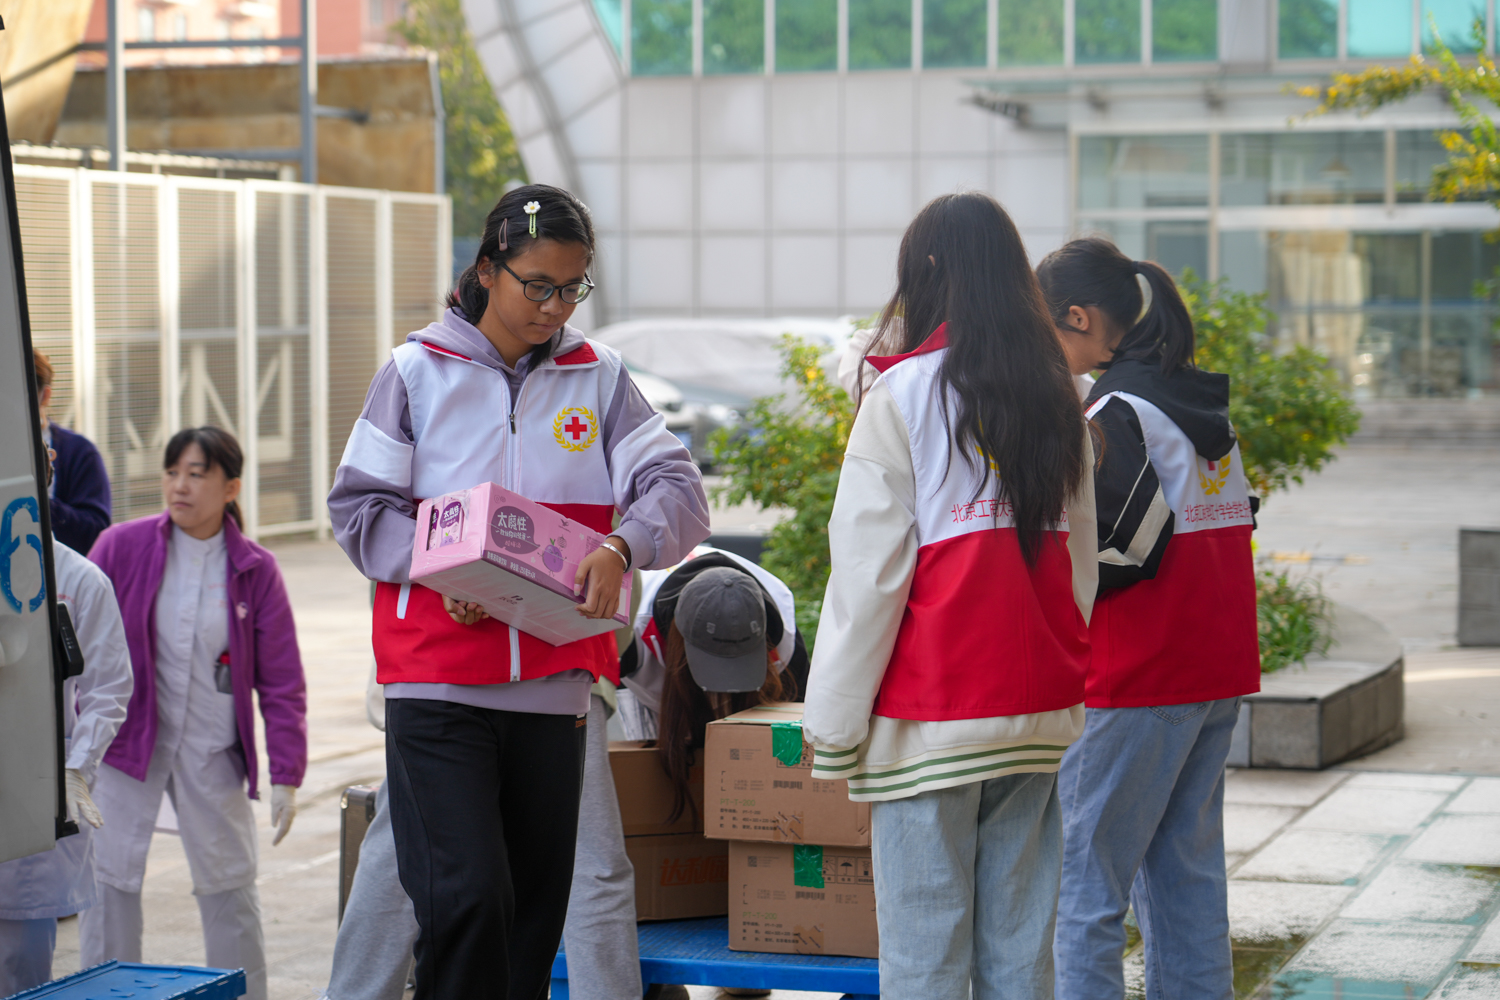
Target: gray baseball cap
721,614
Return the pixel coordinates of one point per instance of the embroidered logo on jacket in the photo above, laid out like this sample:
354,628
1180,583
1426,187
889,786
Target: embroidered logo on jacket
575,428
1216,475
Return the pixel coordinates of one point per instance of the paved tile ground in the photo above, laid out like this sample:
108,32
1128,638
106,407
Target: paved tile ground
1364,881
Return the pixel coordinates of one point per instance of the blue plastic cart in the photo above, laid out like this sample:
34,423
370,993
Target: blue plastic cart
142,982
696,953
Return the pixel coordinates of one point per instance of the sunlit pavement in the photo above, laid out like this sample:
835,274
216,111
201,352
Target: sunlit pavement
1357,882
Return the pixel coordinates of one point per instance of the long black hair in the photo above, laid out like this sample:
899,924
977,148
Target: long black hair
560,217
1094,272
219,449
962,262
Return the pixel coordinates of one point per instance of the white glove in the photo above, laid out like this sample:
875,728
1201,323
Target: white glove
80,804
283,810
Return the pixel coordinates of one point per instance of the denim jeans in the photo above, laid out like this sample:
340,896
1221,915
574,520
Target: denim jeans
1143,819
966,890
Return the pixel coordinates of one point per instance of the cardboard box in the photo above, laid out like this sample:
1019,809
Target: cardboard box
759,785
802,899
645,792
679,875
515,557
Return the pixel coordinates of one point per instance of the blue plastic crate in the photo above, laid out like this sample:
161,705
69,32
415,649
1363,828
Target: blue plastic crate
696,953
132,980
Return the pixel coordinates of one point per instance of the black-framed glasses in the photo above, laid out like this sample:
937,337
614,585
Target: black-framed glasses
572,293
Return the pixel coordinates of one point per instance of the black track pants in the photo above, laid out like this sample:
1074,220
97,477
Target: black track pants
484,806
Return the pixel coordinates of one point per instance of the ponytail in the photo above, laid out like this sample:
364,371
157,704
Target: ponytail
1138,296
219,449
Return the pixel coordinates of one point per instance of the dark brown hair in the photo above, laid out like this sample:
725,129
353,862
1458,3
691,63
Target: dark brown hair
43,366
687,709
1092,271
1013,401
220,450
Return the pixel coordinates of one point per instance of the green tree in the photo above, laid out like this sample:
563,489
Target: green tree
1289,410
1473,168
479,154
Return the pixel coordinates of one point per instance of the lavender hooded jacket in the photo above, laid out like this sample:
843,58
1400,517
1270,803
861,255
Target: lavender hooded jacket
263,654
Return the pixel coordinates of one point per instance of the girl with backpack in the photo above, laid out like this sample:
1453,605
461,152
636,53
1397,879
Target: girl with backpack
1174,636
947,677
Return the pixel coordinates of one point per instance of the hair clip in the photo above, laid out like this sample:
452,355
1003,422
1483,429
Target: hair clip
1145,295
531,208
504,242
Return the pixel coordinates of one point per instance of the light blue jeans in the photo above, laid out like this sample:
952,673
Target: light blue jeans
966,890
1143,819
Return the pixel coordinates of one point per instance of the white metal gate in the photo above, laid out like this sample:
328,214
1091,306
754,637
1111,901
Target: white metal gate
167,302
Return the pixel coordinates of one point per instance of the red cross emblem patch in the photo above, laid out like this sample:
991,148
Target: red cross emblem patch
575,428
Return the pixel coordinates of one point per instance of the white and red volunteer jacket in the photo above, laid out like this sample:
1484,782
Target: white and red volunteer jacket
942,657
1175,619
577,437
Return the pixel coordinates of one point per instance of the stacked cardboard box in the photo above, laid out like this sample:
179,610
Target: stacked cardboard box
678,872
800,875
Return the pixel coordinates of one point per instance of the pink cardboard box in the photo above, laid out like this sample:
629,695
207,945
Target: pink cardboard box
515,557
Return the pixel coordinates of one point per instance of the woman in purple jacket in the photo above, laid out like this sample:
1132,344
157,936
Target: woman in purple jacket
208,623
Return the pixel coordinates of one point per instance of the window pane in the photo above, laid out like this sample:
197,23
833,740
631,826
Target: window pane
1379,28
734,36
879,34
1455,23
1176,246
1309,29
1417,153
1107,31
1184,30
1303,168
609,15
1031,32
661,37
953,32
807,35
1146,171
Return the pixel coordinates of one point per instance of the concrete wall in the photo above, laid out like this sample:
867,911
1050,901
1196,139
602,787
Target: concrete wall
37,60
254,110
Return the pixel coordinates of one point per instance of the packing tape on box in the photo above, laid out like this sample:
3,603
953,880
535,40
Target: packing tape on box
807,865
786,742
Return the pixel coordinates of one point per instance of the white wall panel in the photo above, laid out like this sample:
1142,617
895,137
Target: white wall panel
870,271
804,194
948,175
483,17
578,77
804,114
734,273
877,193
947,122
595,131
878,113
661,273
733,196
733,114
560,28
543,164
804,273
1042,240
660,196
659,117
599,187
1033,189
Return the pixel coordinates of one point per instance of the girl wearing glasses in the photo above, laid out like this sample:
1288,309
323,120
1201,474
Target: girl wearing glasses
1174,636
485,724
948,673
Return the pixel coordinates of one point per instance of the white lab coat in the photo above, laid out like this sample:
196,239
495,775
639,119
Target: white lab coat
195,761
58,882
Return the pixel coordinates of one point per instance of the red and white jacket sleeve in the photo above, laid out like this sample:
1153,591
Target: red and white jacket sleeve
872,541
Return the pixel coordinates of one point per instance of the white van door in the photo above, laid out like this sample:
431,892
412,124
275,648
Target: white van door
30,744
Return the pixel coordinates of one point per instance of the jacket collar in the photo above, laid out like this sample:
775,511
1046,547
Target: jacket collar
456,337
935,341
242,553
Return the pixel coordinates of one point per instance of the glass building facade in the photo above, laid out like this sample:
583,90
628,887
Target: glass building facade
762,157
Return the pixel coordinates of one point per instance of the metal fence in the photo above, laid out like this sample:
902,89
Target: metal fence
167,302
